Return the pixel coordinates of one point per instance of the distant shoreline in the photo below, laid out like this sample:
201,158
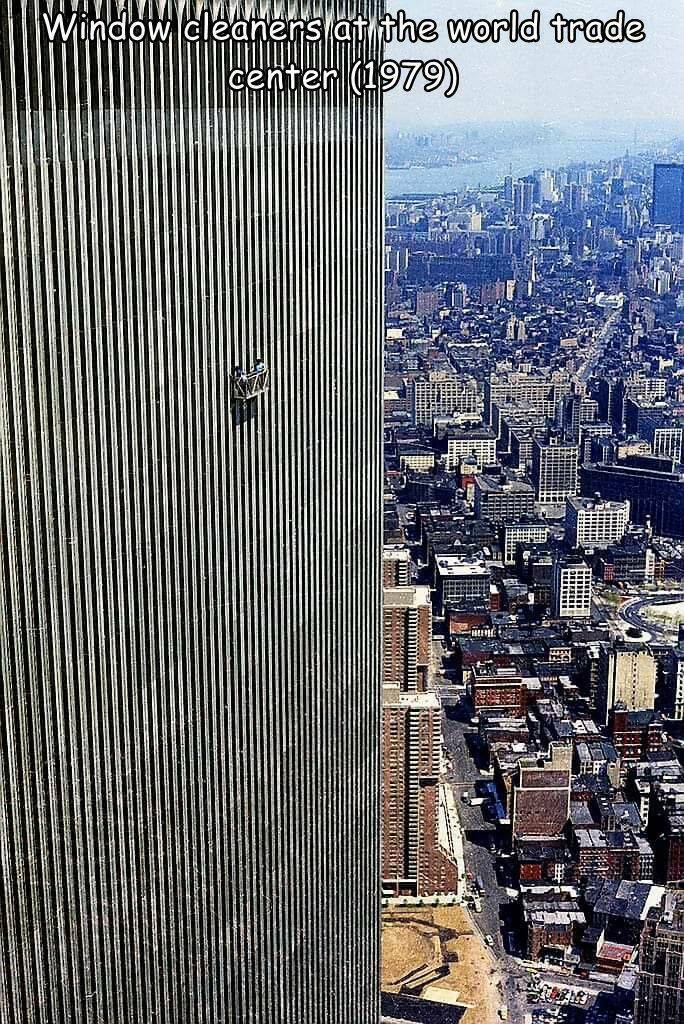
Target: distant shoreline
519,161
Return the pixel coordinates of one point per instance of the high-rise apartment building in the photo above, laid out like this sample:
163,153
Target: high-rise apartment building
594,523
668,196
413,861
396,566
660,978
407,634
190,769
554,470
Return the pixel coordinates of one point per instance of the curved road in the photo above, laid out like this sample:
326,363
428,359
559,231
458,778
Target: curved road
631,612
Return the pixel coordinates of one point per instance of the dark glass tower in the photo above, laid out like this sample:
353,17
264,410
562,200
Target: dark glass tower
668,195
189,577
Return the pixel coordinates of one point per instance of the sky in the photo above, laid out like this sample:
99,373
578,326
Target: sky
547,81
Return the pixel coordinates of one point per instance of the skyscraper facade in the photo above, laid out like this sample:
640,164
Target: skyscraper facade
190,582
572,588
594,523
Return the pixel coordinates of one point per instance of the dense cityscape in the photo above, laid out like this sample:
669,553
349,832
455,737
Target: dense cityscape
533,673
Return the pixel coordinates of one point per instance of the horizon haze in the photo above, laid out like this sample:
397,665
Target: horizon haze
546,81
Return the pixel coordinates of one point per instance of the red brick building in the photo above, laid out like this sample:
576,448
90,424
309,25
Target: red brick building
667,822
396,566
407,633
501,690
543,860
635,734
674,852
541,793
413,862
463,621
613,855
553,922
485,651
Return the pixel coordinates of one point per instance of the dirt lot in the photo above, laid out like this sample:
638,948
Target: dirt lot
472,973
407,948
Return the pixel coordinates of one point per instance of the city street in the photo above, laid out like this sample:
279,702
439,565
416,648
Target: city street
630,613
498,916
464,776
478,833
596,350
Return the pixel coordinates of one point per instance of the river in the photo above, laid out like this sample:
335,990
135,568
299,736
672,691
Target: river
440,180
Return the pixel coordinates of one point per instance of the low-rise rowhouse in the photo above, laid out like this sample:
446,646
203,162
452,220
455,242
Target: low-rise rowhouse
553,922
613,855
502,690
544,859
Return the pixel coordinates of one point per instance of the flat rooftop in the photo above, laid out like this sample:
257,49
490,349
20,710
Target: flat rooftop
406,597
453,566
595,505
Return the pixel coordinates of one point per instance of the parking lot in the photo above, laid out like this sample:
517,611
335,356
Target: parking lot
553,998
555,1003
